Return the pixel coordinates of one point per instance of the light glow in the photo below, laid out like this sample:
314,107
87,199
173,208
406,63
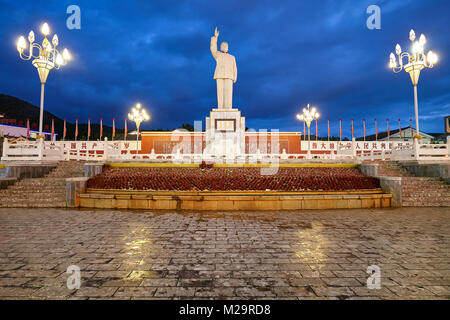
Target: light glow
21,44
392,62
31,36
422,39
45,29
432,57
412,35
138,114
59,59
55,40
66,54
417,47
309,114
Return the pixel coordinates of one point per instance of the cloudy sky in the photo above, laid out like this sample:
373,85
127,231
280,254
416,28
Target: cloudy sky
289,53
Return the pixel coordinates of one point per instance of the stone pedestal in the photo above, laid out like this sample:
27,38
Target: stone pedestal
225,133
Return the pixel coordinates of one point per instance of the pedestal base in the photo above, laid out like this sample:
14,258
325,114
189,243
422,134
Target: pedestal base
225,133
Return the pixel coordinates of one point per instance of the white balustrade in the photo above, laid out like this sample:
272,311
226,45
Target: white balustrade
125,150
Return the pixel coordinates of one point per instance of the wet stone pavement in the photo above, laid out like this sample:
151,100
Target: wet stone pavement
243,255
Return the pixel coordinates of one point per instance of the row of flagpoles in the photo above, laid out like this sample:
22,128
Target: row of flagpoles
364,128
89,128
304,128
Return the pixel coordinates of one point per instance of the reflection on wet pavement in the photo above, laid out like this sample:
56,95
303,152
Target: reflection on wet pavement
261,255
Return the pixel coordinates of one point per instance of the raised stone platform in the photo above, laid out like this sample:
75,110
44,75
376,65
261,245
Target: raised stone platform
233,201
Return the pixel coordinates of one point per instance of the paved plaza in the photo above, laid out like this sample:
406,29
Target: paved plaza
244,255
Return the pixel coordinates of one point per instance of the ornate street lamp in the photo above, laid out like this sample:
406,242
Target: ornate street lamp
416,61
308,116
138,115
46,59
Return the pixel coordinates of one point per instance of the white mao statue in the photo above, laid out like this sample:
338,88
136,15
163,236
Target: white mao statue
225,74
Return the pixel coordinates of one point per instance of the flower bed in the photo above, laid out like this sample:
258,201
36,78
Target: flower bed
232,179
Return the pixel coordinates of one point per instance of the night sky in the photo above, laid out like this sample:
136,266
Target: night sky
288,53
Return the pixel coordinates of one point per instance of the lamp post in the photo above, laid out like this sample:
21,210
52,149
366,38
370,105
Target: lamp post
46,59
308,116
416,61
138,115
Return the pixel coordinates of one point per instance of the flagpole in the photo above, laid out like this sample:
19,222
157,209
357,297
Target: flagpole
364,127
376,130
317,131
89,129
53,129
113,130
353,132
328,120
101,128
304,131
389,134
126,129
76,129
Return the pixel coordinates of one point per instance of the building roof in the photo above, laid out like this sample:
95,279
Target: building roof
383,135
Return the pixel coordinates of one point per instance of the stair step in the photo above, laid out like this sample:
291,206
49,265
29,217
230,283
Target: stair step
417,191
48,191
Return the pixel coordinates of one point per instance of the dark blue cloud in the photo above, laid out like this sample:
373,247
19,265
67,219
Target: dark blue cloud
289,53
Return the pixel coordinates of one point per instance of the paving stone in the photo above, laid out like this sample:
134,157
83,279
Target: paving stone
135,292
238,255
341,282
96,292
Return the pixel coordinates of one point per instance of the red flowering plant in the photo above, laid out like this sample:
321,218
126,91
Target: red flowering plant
232,179
205,165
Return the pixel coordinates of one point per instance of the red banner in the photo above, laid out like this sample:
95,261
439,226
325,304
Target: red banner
353,130
65,129
76,129
89,128
101,128
53,128
340,130
126,131
114,129
28,127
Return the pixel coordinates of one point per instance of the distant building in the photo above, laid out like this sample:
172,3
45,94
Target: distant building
447,126
406,134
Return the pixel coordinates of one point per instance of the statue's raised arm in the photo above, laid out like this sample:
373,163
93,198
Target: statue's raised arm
213,45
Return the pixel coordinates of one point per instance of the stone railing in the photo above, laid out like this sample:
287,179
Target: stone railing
102,151
422,152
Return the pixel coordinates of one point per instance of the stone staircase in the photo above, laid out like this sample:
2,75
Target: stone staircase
46,192
417,191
